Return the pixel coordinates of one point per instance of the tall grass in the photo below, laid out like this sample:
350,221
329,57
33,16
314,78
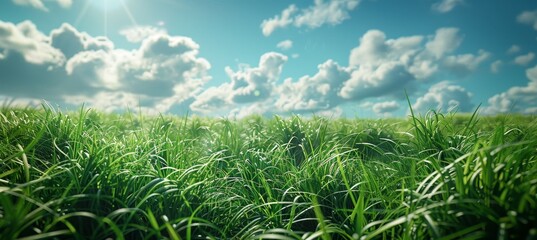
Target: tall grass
89,175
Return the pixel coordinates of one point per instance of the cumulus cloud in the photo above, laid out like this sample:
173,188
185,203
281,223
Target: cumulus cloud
38,4
528,17
444,97
285,45
248,85
376,81
70,41
446,40
331,12
313,93
525,59
255,84
385,107
516,99
26,40
495,66
163,72
139,33
445,6
374,49
378,67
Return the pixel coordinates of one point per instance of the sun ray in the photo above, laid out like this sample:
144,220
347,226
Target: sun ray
128,11
82,13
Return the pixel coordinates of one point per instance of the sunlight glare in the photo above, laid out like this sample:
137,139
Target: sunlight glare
106,6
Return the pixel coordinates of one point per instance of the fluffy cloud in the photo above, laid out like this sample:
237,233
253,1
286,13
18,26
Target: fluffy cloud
313,93
285,45
446,40
464,64
332,12
38,4
212,99
255,84
269,25
524,60
385,107
163,72
516,99
369,81
420,59
70,41
445,6
495,66
374,49
139,33
528,17
248,85
445,96
26,40
378,67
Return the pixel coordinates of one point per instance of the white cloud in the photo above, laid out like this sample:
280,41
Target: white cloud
516,99
285,45
444,97
269,25
25,39
385,107
495,66
70,41
378,81
379,67
162,73
38,4
248,85
465,63
213,99
313,93
445,6
445,41
139,33
375,49
513,49
332,12
256,84
257,108
524,60
528,17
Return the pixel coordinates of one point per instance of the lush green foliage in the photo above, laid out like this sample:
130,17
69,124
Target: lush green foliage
93,175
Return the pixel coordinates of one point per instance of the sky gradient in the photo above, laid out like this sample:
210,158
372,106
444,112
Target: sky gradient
232,58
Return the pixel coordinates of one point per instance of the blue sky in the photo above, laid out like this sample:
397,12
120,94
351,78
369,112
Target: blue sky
352,58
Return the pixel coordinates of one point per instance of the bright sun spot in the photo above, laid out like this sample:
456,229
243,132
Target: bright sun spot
106,6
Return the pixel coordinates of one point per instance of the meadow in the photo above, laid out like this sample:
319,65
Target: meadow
91,175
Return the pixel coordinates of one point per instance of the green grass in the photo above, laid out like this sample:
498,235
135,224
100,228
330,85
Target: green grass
89,175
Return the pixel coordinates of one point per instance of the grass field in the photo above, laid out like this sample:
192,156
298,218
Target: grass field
89,175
